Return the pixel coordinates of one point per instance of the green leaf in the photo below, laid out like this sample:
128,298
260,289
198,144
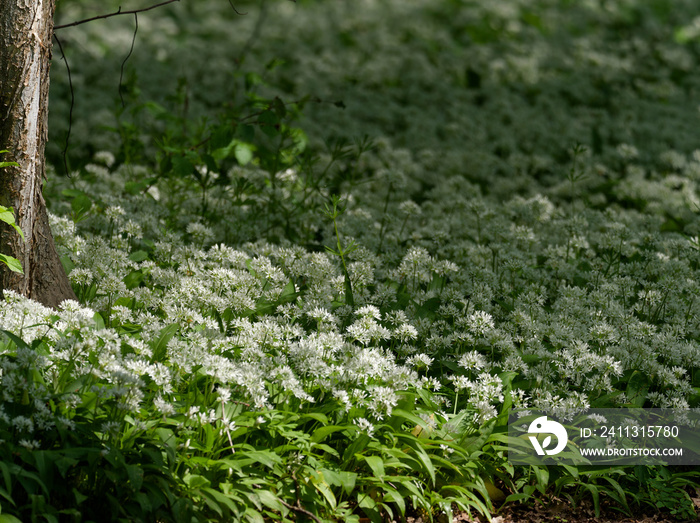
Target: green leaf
343,479
682,36
268,499
182,166
133,279
221,499
410,417
7,476
195,481
269,123
79,497
160,345
637,388
67,263
279,107
243,152
349,299
223,152
376,464
393,496
13,263
135,474
64,463
265,457
426,462
17,340
7,518
138,256
253,516
99,321
81,204
323,432
368,505
322,418
321,485
210,162
7,164
542,475
7,215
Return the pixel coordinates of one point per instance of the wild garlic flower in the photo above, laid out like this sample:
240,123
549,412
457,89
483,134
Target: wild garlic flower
420,361
479,323
381,401
472,361
364,426
29,444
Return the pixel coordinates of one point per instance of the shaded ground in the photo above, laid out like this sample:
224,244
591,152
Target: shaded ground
583,514
563,512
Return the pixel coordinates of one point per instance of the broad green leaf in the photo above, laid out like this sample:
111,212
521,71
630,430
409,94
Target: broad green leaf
13,263
253,516
221,499
160,346
7,215
393,496
63,464
637,388
67,263
410,417
427,463
288,293
243,153
195,481
79,497
342,478
323,487
268,499
99,321
138,256
369,506
323,432
135,474
265,457
17,340
542,475
81,204
182,166
133,279
376,464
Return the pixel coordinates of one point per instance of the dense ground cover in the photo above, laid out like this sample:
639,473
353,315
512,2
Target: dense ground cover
509,197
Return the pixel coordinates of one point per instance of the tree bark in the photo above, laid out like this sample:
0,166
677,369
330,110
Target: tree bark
26,30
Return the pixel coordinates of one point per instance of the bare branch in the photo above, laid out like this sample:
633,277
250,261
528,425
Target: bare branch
121,73
119,12
72,103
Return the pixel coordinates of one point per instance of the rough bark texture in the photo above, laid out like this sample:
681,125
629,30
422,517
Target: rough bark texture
26,29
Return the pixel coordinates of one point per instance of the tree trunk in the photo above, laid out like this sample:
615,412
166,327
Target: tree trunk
26,29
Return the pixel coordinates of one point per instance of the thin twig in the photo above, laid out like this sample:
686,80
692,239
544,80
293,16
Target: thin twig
254,36
119,12
236,10
301,510
121,72
72,103
298,508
